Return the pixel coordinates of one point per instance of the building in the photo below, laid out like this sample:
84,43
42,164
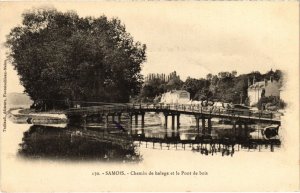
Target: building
175,97
263,88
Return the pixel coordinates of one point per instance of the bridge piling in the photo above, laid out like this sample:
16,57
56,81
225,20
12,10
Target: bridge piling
119,117
209,125
106,122
197,123
246,129
113,117
100,118
203,126
173,121
84,117
178,121
143,119
130,118
136,119
143,132
166,121
234,127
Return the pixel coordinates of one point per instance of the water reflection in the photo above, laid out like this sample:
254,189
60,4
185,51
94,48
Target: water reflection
77,143
121,141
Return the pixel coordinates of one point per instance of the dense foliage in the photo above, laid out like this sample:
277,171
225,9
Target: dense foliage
270,103
224,87
63,57
156,86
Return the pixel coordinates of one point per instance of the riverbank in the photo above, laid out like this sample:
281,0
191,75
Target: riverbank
30,116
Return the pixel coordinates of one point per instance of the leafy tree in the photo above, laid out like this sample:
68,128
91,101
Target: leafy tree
61,56
209,76
234,73
214,80
275,102
174,83
277,75
195,87
204,94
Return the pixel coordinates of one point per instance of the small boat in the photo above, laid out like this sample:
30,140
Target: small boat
270,131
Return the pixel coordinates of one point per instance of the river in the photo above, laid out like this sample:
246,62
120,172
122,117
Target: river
125,142
46,155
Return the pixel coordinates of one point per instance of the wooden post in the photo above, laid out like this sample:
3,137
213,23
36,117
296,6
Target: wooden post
119,117
84,117
234,127
203,125
143,119
166,121
130,118
173,121
178,121
242,131
209,125
197,123
113,118
100,118
106,122
246,129
271,115
136,119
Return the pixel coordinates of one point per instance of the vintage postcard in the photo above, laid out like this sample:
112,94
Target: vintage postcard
101,96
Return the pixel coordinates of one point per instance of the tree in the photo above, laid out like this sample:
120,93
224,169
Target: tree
195,87
174,83
209,76
270,101
204,94
61,56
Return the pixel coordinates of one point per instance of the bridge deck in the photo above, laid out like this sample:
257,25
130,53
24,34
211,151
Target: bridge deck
197,110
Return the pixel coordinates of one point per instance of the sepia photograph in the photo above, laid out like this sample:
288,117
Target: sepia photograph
101,96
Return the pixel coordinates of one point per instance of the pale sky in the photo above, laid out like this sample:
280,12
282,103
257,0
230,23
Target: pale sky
192,38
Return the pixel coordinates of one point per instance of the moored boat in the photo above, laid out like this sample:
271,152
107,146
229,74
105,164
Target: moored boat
270,131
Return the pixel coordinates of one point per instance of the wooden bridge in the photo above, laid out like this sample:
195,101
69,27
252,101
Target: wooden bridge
115,110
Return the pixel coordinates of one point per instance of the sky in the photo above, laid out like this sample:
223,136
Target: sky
191,38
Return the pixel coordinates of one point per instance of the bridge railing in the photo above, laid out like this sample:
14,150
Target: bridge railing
103,108
107,108
211,110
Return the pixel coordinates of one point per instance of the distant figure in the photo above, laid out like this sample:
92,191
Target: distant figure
119,126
